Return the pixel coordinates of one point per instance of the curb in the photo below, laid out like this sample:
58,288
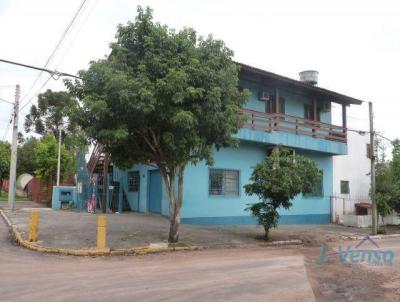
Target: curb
89,252
372,237
284,242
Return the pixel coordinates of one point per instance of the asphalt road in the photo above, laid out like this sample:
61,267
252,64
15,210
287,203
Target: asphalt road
252,274
211,275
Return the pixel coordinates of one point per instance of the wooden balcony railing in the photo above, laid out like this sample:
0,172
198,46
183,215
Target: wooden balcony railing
281,122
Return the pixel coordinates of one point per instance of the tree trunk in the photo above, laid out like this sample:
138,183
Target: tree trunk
175,221
175,200
266,235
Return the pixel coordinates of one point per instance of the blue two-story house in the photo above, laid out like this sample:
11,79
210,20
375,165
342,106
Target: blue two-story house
295,114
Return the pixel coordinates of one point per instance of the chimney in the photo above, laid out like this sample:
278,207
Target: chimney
309,77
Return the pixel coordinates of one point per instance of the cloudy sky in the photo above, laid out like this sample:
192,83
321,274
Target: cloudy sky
355,45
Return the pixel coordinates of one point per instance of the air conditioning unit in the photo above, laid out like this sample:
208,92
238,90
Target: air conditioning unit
326,107
263,96
271,148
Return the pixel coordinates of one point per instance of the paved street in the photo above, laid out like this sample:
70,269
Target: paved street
254,274
213,275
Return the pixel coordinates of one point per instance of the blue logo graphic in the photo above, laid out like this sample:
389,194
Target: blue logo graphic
375,256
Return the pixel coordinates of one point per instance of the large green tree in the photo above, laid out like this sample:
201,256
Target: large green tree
54,110
163,97
5,157
46,153
276,181
26,162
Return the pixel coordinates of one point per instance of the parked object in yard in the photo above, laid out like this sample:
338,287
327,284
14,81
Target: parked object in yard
22,182
64,197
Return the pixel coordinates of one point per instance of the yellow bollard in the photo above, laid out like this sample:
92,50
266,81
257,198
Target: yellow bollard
34,227
101,232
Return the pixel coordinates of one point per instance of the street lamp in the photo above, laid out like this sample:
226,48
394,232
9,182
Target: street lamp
60,129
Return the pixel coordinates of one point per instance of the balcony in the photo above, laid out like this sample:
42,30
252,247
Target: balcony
281,122
293,131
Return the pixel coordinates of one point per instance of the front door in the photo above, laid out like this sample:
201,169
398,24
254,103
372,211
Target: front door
155,191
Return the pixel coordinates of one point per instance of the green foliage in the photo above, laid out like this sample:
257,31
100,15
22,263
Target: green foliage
276,181
26,162
5,157
54,110
46,153
388,179
382,204
162,96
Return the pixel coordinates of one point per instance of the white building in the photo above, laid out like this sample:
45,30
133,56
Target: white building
351,172
351,177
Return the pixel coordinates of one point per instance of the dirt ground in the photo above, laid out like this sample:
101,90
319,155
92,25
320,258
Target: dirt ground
334,281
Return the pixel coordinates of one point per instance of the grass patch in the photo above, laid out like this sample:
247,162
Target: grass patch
4,196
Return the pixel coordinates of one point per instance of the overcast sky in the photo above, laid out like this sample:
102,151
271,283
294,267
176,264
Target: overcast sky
355,45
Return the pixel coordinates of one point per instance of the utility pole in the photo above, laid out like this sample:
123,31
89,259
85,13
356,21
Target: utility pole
14,149
59,156
372,157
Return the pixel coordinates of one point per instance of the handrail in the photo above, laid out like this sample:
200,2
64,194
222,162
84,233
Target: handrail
94,158
290,116
282,122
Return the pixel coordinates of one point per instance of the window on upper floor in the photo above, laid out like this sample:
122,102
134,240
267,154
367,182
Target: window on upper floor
344,187
223,182
309,112
271,105
133,181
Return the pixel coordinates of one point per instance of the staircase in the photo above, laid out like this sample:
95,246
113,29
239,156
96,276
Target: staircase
99,163
96,159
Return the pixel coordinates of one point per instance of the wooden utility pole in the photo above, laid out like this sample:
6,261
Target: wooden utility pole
372,158
14,148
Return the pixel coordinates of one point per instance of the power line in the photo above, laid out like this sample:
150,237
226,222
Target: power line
54,73
77,33
50,58
63,56
380,135
36,93
8,125
3,100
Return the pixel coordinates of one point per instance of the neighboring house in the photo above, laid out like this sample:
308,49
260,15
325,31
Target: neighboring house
351,172
295,114
351,178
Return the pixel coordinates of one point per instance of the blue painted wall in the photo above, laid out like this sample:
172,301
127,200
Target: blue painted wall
293,140
294,101
200,207
139,200
56,198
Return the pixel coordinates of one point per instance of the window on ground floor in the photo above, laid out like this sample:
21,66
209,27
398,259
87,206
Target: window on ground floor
318,190
344,187
133,181
223,182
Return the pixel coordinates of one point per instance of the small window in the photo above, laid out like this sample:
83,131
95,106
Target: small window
133,181
224,182
271,105
309,113
344,187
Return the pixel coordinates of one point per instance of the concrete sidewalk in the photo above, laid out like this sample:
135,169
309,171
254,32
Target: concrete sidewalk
69,229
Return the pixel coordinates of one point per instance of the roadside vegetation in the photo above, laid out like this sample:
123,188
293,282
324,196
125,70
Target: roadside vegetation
277,181
387,192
